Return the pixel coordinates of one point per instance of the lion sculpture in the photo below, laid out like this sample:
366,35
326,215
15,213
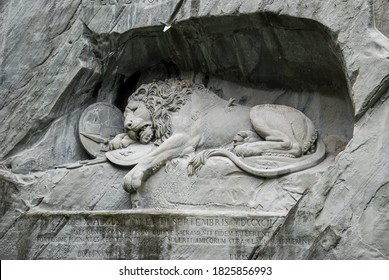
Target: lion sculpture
181,118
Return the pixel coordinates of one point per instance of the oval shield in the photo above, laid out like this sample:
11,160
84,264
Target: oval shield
98,124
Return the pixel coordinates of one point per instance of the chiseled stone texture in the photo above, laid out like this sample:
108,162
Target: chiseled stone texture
52,67
381,14
347,212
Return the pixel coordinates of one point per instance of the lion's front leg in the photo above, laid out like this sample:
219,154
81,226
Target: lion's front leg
140,173
176,146
133,180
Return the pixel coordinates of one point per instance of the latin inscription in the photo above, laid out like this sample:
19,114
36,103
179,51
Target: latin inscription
118,2
148,236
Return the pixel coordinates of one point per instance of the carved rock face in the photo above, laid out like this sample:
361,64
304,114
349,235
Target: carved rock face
325,58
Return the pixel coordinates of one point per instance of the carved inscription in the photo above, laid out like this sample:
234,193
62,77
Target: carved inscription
150,236
118,2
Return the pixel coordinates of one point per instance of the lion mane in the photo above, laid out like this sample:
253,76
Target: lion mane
162,98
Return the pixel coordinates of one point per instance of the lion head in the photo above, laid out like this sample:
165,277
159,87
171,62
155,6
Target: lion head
149,109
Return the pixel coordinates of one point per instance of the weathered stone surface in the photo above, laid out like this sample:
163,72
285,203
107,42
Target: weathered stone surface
326,58
381,14
73,189
140,235
347,210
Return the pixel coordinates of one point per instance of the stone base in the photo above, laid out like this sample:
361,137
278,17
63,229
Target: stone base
142,234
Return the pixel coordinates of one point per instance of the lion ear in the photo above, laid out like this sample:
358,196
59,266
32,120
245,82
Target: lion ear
142,90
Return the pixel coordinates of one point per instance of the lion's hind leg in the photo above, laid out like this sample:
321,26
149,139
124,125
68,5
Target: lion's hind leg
267,147
276,142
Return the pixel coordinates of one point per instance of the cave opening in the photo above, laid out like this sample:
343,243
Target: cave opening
255,58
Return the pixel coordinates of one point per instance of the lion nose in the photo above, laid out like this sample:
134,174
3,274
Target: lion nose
128,125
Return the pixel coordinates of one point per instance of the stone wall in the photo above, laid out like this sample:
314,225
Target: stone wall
326,58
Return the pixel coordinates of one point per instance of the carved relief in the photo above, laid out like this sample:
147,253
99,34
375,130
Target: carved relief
173,119
98,124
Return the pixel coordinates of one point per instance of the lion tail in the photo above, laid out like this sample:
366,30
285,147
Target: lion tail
309,161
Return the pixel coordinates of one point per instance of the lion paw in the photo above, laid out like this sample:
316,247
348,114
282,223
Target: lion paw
133,180
120,142
114,144
241,138
245,150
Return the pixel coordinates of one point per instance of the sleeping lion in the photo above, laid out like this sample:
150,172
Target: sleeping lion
181,119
